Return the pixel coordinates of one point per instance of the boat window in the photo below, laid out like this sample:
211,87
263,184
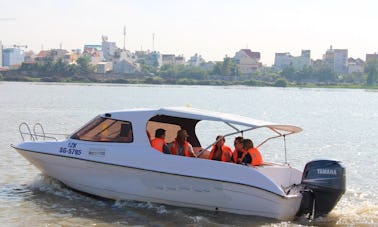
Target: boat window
170,130
106,130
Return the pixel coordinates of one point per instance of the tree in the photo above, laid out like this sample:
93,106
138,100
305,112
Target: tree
227,67
288,73
168,71
83,64
281,83
217,70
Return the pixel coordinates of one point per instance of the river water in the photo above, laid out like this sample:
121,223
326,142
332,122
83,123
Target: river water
339,124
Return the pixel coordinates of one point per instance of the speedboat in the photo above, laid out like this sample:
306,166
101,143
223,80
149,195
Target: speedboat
111,157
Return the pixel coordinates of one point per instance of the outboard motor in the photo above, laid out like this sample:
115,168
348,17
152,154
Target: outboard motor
323,184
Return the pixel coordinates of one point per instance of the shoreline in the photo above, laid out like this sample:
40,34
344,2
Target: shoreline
191,82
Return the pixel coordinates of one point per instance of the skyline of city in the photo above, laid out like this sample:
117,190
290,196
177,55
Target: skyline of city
211,28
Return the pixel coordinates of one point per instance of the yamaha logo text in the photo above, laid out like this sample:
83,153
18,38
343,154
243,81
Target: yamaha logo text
327,171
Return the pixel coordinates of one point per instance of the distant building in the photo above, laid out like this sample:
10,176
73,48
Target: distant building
125,62
283,60
125,66
12,56
356,66
337,59
94,52
71,57
180,60
371,57
108,48
302,61
29,57
247,61
196,60
153,58
104,67
168,59
42,56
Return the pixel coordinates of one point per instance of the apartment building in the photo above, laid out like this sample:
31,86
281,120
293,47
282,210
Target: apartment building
283,60
337,59
12,56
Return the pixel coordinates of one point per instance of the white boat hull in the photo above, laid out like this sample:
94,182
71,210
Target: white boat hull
126,183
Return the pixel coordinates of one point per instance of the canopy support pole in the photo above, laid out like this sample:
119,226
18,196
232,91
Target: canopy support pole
284,136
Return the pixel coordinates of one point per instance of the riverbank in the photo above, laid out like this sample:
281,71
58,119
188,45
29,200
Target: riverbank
140,79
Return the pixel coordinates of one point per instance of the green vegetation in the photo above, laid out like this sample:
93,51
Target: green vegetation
57,70
221,73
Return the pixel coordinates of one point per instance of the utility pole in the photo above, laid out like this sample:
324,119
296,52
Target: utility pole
153,41
124,37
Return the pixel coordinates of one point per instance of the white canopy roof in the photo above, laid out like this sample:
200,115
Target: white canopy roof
199,114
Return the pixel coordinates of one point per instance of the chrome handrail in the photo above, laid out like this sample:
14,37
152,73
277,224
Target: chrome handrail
36,135
22,133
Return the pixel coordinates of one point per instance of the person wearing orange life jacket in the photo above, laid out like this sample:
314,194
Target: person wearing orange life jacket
159,141
220,151
251,155
239,150
181,146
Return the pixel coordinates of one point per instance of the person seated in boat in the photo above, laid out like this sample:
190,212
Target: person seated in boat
239,150
251,155
220,151
159,141
181,146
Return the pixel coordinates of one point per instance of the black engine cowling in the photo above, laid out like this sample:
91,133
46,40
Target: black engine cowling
323,184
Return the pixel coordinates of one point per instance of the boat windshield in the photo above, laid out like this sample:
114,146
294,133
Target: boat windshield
105,130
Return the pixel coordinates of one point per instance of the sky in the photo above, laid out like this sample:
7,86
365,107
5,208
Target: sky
211,28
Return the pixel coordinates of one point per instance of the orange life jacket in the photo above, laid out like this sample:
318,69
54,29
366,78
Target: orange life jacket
158,144
225,155
235,155
186,152
256,156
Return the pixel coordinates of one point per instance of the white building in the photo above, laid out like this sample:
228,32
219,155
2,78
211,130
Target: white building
283,60
12,56
125,66
196,60
108,48
355,66
126,63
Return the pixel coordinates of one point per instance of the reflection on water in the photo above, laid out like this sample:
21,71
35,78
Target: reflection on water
339,124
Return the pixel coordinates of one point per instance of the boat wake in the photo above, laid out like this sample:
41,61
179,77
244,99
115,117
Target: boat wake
159,209
356,208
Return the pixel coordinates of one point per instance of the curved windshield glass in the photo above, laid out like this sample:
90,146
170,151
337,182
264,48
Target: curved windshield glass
105,130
